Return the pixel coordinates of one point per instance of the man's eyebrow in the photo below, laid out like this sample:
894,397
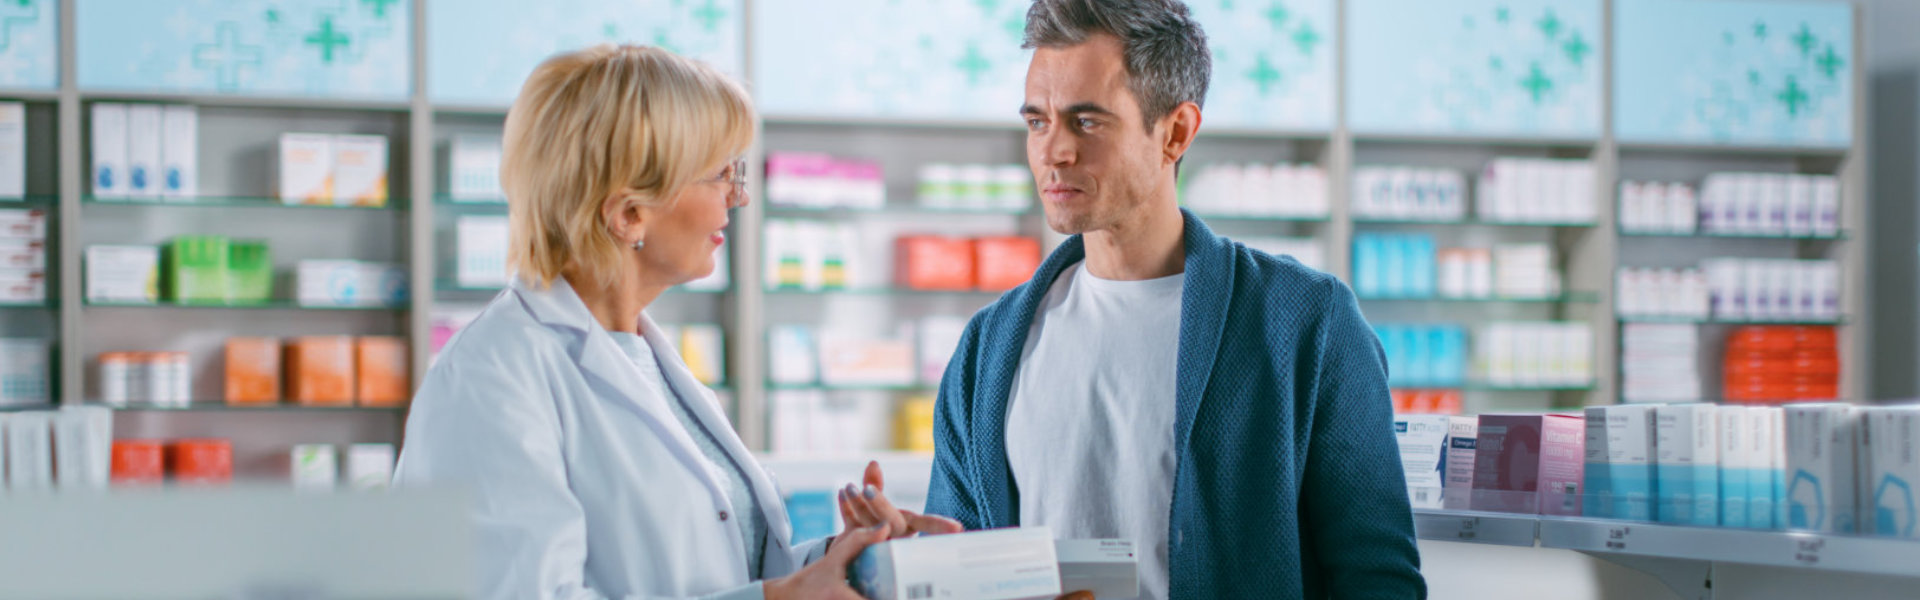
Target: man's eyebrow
1081,108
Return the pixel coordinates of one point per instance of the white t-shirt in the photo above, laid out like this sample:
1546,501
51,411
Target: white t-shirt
1090,424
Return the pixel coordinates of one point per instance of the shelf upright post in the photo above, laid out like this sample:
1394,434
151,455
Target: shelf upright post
421,261
1856,256
1339,163
1596,256
748,350
70,365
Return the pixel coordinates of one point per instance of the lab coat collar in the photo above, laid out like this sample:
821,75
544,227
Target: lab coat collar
560,307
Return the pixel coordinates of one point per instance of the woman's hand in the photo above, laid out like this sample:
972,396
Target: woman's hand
826,578
868,506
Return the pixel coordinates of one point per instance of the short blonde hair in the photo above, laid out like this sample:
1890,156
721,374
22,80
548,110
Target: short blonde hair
592,123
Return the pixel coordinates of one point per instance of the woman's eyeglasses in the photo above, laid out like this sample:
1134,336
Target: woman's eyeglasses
735,175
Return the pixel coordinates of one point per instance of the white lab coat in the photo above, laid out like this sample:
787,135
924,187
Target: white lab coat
585,485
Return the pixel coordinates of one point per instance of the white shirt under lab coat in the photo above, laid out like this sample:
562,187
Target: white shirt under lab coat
584,484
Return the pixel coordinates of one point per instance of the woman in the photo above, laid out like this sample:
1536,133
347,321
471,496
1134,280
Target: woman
600,468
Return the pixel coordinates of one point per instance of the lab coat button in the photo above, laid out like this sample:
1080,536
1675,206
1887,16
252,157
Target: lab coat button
723,515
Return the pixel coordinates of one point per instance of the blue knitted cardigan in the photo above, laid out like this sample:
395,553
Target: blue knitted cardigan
1288,482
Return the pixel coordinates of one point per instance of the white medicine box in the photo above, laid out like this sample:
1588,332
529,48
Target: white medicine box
306,168
359,170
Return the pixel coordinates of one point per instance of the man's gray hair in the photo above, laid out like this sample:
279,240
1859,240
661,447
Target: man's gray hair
1165,50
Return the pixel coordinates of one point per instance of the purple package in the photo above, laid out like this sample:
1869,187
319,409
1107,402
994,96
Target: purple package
1529,463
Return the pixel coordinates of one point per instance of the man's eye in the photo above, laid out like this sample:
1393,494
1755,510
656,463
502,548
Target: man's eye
1087,123
1035,124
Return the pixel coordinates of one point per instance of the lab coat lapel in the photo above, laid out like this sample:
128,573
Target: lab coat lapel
1204,299
706,408
601,359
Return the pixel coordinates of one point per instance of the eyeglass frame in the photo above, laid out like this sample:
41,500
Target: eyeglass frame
737,195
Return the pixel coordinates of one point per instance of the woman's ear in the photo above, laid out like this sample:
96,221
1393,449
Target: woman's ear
624,215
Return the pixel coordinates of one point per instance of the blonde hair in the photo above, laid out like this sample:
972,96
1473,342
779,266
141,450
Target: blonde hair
606,120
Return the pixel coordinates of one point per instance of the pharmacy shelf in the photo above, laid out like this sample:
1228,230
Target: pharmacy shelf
1475,386
30,201
1475,527
29,95
1695,321
1852,554
1706,235
222,406
44,304
1473,223
449,287
28,408
1360,137
243,101
817,387
1736,150
896,209
393,204
275,305
1569,297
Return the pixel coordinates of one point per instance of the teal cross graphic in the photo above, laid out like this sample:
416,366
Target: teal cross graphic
226,55
1537,83
1830,62
379,7
327,39
987,6
609,30
1576,49
1502,15
1016,25
709,15
1760,29
973,64
1226,5
1793,97
1753,77
1805,40
663,41
1306,38
16,12
1263,74
1550,24
1277,15
273,17
1496,63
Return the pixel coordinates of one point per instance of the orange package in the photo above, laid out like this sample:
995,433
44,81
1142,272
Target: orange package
253,370
320,370
202,462
138,463
930,262
381,363
1003,263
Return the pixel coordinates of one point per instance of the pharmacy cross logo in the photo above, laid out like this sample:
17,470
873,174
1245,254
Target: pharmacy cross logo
973,64
1550,25
1277,15
1263,74
1306,38
1537,83
1760,29
1576,49
1805,40
328,39
709,15
1793,96
226,56
16,12
1830,63
379,7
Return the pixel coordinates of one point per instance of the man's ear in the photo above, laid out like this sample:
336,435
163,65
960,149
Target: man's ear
1182,126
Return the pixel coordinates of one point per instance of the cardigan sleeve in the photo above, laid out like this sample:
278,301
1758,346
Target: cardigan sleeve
1354,498
950,493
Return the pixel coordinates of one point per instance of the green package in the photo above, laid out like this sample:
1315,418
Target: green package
249,272
197,269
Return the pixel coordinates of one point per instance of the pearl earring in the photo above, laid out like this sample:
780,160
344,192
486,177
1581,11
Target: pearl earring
638,244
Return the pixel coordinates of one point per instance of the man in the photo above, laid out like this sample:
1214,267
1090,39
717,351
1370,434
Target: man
1225,409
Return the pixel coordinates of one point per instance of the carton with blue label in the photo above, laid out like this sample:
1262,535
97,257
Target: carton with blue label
1687,469
1620,454
1892,470
1001,564
1820,477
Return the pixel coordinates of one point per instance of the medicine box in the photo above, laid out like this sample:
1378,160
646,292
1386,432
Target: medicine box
306,168
350,283
928,262
1820,485
1462,434
359,170
180,152
109,150
380,371
1003,263
1003,564
143,151
197,269
1764,481
1687,467
1529,463
24,224
29,440
1893,467
82,442
1737,466
703,351
249,272
1107,568
482,251
25,372
315,467
252,370
369,466
13,150
320,370
1620,452
475,169
1423,454
123,274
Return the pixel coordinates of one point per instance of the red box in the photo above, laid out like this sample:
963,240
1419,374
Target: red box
930,262
1003,263
202,462
138,463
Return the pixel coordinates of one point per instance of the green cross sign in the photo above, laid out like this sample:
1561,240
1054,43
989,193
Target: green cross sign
709,15
1830,62
227,56
1502,15
273,17
1793,97
1537,83
973,64
1760,29
1753,77
1277,15
327,39
1306,38
379,6
1263,74
987,6
16,13
1550,25
1805,40
1576,49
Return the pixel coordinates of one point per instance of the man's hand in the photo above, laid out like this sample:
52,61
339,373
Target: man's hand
868,506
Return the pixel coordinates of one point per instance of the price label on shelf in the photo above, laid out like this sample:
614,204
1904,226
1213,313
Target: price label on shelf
1469,529
1806,550
1617,538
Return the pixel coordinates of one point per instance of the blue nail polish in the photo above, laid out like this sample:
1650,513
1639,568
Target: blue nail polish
870,492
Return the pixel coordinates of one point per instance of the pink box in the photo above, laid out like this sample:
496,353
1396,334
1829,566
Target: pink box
1530,463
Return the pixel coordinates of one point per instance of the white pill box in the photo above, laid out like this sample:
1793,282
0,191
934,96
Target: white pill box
306,168
359,170
1108,568
1001,564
